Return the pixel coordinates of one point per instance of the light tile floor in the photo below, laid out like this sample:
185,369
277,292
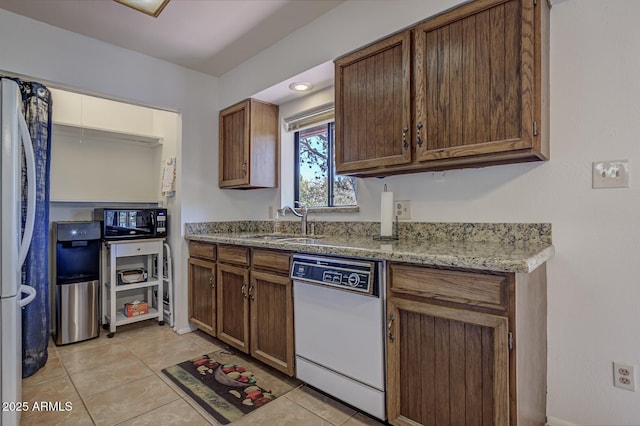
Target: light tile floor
118,381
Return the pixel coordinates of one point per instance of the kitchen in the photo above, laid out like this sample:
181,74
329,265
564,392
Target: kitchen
591,309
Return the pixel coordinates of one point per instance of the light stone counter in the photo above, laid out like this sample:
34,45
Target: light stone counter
488,247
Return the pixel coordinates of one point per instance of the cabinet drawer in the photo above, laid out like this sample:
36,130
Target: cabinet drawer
137,248
234,254
202,250
271,259
484,290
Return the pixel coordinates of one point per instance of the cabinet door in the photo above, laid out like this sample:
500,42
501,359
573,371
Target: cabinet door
474,82
233,306
202,292
272,320
234,145
373,106
446,366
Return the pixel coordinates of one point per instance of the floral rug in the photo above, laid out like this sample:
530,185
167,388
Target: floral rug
229,385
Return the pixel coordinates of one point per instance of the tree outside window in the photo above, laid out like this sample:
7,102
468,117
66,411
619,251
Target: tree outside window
316,182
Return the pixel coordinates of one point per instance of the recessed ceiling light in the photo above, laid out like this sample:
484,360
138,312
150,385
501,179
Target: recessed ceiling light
150,7
301,86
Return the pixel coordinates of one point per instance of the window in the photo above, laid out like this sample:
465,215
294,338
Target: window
316,183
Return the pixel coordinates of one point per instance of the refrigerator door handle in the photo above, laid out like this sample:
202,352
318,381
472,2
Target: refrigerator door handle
31,294
31,190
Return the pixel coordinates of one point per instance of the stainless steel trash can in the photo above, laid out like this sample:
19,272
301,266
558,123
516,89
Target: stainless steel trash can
77,281
77,311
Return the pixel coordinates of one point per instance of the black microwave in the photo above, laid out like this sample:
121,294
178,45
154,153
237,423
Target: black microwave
120,224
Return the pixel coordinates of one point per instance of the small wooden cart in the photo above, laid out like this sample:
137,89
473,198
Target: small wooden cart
115,255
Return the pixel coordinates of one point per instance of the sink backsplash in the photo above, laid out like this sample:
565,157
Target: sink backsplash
508,233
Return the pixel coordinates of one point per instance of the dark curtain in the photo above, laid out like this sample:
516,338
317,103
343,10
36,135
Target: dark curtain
36,103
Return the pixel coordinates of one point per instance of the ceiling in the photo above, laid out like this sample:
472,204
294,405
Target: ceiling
210,36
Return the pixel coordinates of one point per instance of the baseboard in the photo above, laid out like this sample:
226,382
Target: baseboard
185,330
553,421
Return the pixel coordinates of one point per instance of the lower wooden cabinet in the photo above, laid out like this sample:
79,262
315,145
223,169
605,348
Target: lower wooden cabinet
202,294
233,305
465,347
271,297
446,366
255,304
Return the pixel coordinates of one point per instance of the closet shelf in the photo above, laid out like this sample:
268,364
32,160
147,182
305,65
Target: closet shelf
95,133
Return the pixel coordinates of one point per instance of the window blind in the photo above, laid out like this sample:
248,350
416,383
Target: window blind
323,113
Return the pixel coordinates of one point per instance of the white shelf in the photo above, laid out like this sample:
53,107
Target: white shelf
135,286
149,251
122,319
106,135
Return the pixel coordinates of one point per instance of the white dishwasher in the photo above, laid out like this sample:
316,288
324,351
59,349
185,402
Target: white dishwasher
339,328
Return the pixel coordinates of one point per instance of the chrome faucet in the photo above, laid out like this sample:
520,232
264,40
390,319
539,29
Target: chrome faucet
302,215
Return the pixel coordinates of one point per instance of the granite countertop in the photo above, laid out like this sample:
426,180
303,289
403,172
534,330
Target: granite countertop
517,254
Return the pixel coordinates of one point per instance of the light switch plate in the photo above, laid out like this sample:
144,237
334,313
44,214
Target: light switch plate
610,174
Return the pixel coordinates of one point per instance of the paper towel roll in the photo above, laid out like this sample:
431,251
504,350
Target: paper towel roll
386,214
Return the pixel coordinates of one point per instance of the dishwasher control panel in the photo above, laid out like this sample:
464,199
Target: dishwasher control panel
347,274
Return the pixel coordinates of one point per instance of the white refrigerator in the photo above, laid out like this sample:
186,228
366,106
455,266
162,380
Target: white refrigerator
14,140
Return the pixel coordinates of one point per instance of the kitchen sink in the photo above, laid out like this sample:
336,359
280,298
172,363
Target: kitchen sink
283,238
265,237
302,240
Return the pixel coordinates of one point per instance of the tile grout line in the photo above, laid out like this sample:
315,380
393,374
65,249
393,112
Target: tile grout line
128,383
313,412
147,412
158,374
83,397
351,416
74,387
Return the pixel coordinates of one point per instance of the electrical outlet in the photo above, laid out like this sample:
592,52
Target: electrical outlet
403,209
610,174
624,376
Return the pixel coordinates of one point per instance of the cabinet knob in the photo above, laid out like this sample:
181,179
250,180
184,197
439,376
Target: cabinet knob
211,281
244,168
405,129
244,286
418,139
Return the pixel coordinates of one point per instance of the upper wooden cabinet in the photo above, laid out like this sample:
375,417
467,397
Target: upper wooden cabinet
249,145
479,93
373,105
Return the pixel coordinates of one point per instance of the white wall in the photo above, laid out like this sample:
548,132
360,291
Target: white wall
90,169
593,289
66,60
